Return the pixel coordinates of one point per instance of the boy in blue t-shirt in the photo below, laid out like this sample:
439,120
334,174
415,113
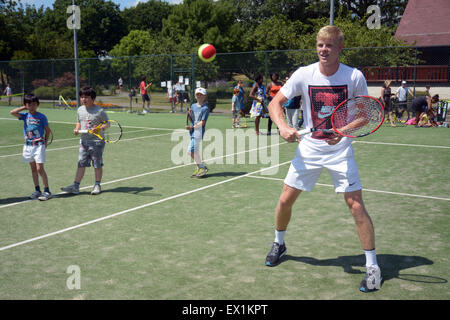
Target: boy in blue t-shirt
36,132
198,113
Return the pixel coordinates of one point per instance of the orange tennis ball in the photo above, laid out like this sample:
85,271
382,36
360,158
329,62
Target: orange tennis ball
207,52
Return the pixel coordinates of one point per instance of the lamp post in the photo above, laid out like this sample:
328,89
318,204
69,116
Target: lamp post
74,23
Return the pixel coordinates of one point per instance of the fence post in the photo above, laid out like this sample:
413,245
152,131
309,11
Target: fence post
193,78
53,82
171,68
129,73
266,65
415,71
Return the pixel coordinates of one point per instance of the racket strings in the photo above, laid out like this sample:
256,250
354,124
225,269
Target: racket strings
113,133
358,117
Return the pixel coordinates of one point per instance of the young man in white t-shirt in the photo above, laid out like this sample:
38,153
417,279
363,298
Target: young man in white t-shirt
323,85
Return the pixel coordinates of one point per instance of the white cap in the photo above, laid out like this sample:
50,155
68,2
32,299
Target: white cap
403,82
200,90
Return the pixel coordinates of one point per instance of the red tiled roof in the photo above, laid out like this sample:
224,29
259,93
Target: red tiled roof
427,22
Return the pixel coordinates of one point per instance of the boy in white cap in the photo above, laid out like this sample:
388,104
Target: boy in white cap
198,114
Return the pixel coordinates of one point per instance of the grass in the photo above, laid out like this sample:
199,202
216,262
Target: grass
155,233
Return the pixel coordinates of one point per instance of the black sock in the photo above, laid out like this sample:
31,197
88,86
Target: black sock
37,188
47,189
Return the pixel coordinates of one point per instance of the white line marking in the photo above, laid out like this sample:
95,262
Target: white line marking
77,146
369,190
402,144
133,209
153,172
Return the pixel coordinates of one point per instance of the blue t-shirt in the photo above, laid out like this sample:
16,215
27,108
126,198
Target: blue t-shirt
33,126
199,113
293,103
240,100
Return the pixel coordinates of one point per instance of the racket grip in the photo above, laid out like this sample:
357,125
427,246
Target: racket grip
83,131
304,131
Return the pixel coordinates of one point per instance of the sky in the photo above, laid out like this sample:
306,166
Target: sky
123,3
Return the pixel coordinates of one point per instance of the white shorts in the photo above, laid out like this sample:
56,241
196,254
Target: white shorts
308,164
33,153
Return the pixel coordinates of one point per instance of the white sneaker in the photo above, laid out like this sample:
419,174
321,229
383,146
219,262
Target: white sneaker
45,196
372,280
35,195
97,190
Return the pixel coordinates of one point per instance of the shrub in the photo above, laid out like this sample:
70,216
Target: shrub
44,92
37,83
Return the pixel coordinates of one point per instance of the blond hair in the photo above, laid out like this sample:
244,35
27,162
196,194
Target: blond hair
387,83
331,32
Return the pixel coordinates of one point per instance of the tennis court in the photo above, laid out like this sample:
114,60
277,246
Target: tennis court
156,233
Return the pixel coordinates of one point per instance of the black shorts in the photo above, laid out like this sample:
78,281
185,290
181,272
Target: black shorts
145,97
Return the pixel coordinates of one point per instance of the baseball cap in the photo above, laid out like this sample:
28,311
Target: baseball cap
200,90
403,82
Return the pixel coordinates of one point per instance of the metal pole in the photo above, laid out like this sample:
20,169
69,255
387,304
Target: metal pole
331,12
193,78
415,72
75,46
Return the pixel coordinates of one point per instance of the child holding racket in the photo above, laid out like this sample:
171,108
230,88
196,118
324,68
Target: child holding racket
36,132
91,147
235,108
198,114
323,86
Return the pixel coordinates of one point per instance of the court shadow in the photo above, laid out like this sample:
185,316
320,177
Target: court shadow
391,265
224,174
133,190
13,200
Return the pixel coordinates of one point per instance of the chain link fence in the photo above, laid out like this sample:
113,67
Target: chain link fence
50,79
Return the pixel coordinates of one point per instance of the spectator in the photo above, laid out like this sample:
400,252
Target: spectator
8,93
386,99
144,94
120,84
402,94
272,89
258,94
423,103
292,108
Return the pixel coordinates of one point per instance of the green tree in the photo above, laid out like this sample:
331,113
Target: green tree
146,15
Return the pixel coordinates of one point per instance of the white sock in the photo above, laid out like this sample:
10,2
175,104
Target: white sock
371,258
279,236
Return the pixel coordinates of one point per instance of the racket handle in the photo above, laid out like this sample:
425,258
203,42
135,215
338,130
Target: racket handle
83,131
304,131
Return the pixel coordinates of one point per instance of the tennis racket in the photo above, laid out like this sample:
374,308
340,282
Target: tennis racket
109,131
63,102
50,139
188,117
355,117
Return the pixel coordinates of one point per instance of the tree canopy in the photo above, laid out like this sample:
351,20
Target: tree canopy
231,25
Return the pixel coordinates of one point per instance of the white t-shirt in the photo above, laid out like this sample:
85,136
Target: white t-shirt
320,95
402,93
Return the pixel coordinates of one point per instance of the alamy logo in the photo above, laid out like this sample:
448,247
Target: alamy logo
233,147
74,21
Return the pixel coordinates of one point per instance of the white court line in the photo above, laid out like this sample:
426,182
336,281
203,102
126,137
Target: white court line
68,139
402,144
134,209
73,123
77,146
153,172
364,189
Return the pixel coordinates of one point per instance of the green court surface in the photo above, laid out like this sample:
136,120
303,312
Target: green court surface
155,233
